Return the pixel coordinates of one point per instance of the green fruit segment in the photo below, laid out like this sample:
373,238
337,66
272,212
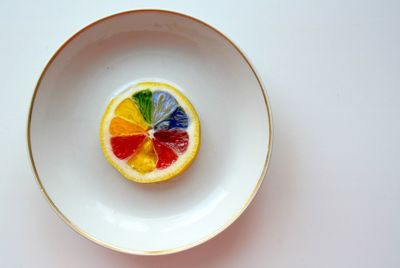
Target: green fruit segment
143,99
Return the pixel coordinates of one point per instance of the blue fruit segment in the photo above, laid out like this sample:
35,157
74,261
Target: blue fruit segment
177,119
163,105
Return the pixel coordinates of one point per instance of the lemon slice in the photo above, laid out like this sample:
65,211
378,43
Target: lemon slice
150,132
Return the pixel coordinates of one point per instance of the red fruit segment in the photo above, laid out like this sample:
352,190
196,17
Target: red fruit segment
177,139
124,146
166,156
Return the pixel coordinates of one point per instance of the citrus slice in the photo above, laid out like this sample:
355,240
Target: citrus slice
150,132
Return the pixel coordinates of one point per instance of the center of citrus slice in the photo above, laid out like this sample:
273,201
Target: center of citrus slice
150,132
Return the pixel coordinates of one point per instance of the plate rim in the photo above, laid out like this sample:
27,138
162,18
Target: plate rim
229,222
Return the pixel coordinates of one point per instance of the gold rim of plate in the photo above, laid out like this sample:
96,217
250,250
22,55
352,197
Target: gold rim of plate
171,250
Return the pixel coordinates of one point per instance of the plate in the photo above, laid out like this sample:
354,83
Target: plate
105,58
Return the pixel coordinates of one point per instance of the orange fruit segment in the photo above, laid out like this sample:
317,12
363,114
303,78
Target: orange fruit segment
122,127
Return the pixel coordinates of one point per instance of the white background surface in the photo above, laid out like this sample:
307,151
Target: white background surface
331,196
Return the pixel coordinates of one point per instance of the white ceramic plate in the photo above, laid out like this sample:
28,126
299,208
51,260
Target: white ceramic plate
71,96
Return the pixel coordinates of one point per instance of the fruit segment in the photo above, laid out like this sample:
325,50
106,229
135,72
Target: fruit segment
177,119
125,146
163,105
121,127
166,156
145,159
128,110
176,139
143,99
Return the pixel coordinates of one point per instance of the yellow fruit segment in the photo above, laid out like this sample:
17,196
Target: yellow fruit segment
128,110
121,127
145,159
